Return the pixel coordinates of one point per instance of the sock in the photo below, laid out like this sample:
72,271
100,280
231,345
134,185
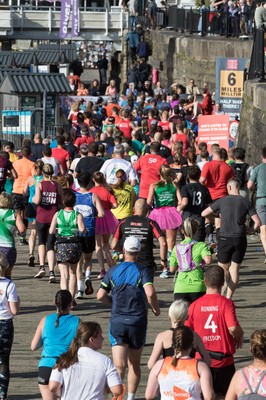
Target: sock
131,396
80,286
88,273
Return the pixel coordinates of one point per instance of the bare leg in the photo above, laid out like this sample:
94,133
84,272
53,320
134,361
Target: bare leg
42,254
51,259
32,237
99,251
263,237
72,268
171,238
120,354
46,394
64,275
107,250
226,276
134,372
233,279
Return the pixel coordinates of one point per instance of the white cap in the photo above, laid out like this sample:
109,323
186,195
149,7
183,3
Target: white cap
133,158
132,244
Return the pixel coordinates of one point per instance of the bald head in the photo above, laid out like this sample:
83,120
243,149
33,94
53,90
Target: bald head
141,207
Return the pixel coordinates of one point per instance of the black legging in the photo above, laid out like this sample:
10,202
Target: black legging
6,341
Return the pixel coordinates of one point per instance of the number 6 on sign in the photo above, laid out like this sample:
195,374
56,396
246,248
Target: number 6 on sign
210,324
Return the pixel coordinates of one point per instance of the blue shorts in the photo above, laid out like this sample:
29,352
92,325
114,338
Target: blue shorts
134,336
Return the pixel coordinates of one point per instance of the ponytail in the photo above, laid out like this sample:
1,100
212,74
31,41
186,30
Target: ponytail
63,299
183,338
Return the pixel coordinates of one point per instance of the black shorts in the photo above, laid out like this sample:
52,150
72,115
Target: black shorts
19,201
222,377
44,236
134,336
231,249
87,244
31,210
188,297
44,374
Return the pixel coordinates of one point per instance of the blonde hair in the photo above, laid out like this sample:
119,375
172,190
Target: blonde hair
190,227
258,344
6,200
178,311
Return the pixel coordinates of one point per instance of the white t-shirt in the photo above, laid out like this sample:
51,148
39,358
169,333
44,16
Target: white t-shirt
8,292
87,378
110,167
52,161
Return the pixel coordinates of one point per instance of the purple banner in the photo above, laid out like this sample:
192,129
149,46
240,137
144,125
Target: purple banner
75,18
65,13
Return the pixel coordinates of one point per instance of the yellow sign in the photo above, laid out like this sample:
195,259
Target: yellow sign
231,83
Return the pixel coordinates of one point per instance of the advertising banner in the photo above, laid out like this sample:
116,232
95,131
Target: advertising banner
75,20
230,83
64,18
214,129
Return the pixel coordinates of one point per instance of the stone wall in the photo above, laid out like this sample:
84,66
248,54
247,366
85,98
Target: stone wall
252,131
180,58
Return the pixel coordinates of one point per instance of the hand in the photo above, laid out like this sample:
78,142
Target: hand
156,311
239,342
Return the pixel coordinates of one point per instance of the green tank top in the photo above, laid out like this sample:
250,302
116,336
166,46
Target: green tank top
7,227
165,196
67,223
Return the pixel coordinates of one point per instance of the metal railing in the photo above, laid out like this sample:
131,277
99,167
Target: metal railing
257,61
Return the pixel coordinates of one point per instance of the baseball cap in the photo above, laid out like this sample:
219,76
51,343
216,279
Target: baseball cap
132,244
133,158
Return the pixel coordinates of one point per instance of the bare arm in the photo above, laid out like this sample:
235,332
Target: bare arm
206,381
156,351
232,390
80,222
20,224
117,390
208,259
152,299
103,296
38,194
56,388
206,212
201,349
238,334
257,221
14,173
184,203
151,195
250,184
178,196
202,180
14,306
115,245
36,342
152,384
98,205
53,225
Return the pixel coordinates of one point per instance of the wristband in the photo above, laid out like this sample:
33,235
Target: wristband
164,260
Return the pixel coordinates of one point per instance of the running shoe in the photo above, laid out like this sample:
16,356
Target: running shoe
79,295
31,262
40,273
101,274
164,274
89,288
23,241
52,278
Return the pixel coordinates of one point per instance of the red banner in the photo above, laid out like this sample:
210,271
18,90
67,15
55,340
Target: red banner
214,129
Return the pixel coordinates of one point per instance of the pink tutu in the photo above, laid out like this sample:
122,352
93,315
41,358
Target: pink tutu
166,217
106,225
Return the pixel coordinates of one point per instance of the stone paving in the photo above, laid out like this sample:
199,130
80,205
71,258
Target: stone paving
37,300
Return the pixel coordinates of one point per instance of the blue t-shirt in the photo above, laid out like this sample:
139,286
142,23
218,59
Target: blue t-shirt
127,281
85,206
56,341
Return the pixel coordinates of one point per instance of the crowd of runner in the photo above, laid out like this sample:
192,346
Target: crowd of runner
119,179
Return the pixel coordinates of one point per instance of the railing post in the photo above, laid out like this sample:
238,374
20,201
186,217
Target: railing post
190,19
106,22
50,19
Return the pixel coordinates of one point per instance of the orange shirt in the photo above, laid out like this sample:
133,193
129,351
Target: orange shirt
24,168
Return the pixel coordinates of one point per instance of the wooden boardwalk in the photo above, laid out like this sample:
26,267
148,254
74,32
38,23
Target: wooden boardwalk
37,300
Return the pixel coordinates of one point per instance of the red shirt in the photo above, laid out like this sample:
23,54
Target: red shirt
62,156
83,140
125,127
164,124
211,316
217,174
149,166
183,137
107,198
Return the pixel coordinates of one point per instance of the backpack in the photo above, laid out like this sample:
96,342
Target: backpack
240,172
253,395
184,256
